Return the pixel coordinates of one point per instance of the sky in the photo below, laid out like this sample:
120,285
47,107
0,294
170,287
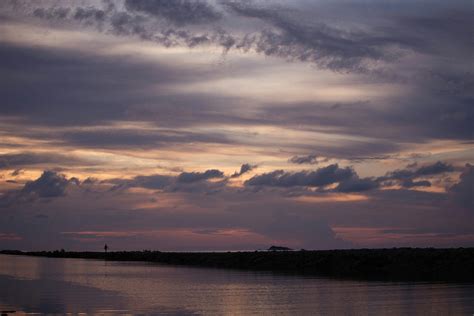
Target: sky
235,125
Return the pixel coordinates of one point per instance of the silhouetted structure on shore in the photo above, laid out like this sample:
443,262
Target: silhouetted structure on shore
423,264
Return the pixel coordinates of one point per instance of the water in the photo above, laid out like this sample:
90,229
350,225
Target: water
46,285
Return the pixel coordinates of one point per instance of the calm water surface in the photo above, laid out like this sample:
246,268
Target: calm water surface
46,285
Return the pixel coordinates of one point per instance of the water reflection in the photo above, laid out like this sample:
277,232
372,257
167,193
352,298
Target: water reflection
73,285
52,296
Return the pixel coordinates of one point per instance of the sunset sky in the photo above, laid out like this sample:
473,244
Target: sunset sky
232,125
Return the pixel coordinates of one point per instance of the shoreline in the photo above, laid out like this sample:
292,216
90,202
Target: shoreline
394,264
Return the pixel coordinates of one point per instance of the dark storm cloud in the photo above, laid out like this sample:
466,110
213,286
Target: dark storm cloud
188,177
308,159
289,33
140,19
185,181
319,43
426,170
321,177
246,167
292,37
290,30
406,177
179,11
125,24
436,168
49,184
154,182
356,184
409,183
347,179
196,182
355,37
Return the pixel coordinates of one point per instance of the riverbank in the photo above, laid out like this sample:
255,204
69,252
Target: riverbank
404,264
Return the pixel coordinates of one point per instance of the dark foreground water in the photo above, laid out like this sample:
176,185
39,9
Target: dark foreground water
46,285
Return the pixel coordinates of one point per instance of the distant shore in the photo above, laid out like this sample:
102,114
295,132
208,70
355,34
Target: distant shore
396,264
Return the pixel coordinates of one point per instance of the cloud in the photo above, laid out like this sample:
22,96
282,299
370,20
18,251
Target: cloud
189,177
433,169
436,168
180,12
89,13
243,169
23,159
292,31
321,177
199,185
156,181
49,184
409,183
185,182
347,179
355,184
308,159
405,177
318,43
308,32
51,13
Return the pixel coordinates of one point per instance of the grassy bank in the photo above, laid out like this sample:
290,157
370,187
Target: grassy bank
417,264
